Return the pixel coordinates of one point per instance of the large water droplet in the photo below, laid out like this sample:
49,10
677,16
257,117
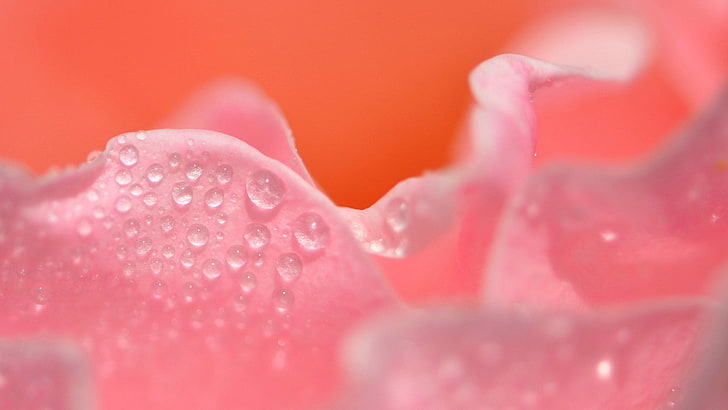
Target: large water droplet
123,177
198,235
193,171
289,266
166,223
123,204
265,190
248,282
257,235
224,174
187,258
214,197
182,193
155,173
311,231
128,155
212,268
236,256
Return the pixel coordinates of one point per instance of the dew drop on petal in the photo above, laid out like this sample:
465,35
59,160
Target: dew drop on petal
182,193
236,256
311,231
187,258
257,235
212,268
150,199
131,228
166,223
141,135
397,215
136,190
265,189
123,204
193,171
156,266
289,266
128,155
221,218
283,300
84,227
41,295
174,160
143,246
224,174
155,173
248,282
214,197
123,177
168,251
198,235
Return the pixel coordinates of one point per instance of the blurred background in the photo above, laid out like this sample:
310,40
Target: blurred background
374,91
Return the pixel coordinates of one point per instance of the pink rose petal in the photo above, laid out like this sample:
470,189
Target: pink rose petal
43,374
440,225
194,271
468,359
581,236
238,108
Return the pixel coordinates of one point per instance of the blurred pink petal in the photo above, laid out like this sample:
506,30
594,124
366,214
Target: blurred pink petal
195,272
631,358
581,236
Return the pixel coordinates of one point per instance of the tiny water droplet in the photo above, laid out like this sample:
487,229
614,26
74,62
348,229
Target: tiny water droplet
182,193
123,177
187,258
257,235
212,268
174,160
224,174
143,246
155,173
150,199
397,215
236,256
258,259
156,266
84,227
141,135
289,266
221,218
283,300
311,231
129,268
122,252
168,251
128,155
136,190
159,289
248,282
41,295
198,235
265,189
166,223
193,171
131,228
214,197
123,204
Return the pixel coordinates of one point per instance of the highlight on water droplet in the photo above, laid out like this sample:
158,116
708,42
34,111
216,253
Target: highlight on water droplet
155,173
214,197
224,174
128,155
265,189
182,193
212,268
257,235
311,231
236,256
198,235
289,266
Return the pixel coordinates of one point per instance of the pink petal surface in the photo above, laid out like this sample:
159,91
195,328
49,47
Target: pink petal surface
636,358
580,236
44,374
238,108
194,271
440,225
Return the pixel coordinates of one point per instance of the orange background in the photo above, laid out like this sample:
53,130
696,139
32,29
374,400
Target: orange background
373,90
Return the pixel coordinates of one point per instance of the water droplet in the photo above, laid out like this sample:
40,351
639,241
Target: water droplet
221,218
156,266
123,177
224,174
289,266
123,204
131,228
122,252
604,369
168,251
187,258
214,197
193,171
136,190
182,193
121,139
258,259
248,282
257,235
159,289
283,300
92,195
311,231
198,235
155,173
41,295
265,190
212,268
143,246
166,223
174,160
128,155
141,135
84,227
129,268
397,215
150,199
236,256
